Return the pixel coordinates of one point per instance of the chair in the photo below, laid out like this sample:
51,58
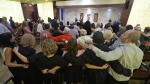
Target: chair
143,73
146,57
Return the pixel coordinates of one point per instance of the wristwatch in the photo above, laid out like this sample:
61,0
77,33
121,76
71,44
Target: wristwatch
47,71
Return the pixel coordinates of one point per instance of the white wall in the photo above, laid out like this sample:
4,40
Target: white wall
89,2
11,8
45,10
140,13
104,14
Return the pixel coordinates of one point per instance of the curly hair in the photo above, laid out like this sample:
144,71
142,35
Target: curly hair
27,40
108,34
49,47
72,47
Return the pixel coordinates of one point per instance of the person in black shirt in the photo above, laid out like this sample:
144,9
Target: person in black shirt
29,75
73,74
12,23
7,42
99,76
46,61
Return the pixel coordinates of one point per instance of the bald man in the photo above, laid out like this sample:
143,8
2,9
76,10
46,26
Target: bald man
127,53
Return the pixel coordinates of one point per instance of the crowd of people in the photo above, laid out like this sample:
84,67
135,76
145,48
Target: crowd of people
76,53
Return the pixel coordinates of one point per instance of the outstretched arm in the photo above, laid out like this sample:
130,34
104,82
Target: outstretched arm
23,58
107,56
96,67
53,70
8,57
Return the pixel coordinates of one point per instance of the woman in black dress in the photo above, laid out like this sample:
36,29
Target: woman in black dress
46,61
31,74
73,74
7,42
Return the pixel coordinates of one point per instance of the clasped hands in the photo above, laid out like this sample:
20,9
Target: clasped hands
46,71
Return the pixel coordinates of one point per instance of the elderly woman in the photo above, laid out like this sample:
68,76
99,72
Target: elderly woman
81,40
26,28
46,61
121,31
108,35
29,76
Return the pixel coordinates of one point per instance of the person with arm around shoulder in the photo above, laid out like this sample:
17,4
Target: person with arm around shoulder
128,55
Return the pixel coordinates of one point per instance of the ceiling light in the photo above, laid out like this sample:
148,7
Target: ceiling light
45,0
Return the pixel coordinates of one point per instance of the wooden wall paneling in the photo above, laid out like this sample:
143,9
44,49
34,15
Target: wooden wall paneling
126,12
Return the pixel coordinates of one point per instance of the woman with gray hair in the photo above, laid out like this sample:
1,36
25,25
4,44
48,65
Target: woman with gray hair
26,28
121,31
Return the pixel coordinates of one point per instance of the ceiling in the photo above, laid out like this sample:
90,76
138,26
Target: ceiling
35,1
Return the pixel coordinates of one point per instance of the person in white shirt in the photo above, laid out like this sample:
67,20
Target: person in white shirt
127,54
39,27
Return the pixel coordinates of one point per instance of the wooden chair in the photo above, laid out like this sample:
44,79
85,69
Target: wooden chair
146,57
143,73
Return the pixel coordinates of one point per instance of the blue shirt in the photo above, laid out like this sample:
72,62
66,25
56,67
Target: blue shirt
3,28
8,25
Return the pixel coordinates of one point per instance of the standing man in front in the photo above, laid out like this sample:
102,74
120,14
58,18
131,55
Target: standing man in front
127,53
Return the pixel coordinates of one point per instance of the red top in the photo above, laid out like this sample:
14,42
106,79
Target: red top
61,37
64,36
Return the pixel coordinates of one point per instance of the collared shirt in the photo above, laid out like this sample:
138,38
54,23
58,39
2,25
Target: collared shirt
128,55
74,33
115,44
3,28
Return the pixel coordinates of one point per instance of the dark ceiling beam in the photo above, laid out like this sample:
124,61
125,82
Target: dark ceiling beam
92,6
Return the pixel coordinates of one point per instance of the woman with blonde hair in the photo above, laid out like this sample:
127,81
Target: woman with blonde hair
28,75
46,61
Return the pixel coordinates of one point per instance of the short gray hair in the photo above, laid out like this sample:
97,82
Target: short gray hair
83,32
137,28
66,30
81,40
